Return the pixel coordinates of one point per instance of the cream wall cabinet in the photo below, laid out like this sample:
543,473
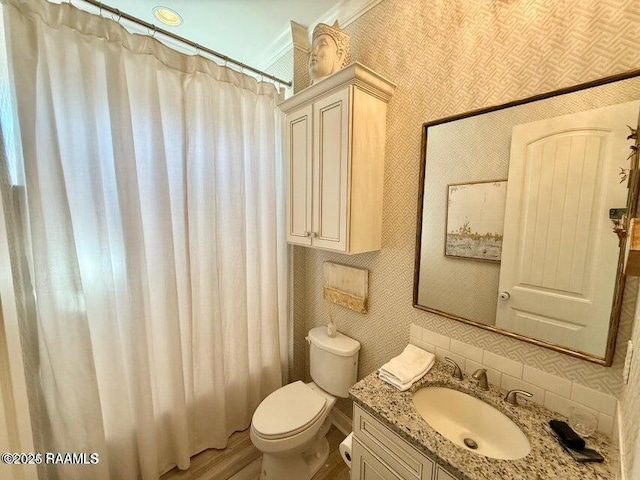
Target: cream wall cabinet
334,150
379,453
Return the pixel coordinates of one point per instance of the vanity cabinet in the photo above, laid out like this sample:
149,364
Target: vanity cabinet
379,453
334,161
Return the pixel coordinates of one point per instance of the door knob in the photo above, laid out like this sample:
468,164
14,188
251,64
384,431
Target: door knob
504,295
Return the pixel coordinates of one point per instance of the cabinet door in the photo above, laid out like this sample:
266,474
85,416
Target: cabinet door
366,466
298,175
444,475
331,171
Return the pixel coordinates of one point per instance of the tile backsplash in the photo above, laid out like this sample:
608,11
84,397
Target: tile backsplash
555,393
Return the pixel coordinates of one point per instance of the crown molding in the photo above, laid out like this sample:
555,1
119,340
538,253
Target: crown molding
345,11
353,74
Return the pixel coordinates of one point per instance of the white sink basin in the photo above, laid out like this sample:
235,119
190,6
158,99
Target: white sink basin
471,423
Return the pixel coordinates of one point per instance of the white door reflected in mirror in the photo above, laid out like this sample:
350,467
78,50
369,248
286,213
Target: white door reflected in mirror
559,256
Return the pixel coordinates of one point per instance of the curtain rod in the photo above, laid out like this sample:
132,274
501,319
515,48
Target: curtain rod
199,48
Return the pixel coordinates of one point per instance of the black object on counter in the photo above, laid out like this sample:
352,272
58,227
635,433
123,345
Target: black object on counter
584,455
566,435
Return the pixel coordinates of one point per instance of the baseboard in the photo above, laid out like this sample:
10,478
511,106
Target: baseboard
341,421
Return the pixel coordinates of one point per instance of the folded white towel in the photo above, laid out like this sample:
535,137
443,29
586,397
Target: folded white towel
407,368
408,364
403,386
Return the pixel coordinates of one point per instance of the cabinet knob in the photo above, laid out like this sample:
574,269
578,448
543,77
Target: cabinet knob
314,234
504,295
307,233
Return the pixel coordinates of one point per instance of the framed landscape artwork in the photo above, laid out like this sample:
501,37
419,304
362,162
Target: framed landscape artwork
475,220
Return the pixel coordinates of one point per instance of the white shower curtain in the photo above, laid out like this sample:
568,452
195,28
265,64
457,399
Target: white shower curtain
155,226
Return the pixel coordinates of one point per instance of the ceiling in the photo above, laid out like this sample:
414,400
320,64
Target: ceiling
241,29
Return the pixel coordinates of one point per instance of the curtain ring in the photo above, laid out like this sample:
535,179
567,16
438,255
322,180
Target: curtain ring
100,6
154,31
119,16
197,49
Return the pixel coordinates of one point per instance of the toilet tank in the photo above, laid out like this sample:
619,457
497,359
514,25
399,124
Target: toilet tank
333,361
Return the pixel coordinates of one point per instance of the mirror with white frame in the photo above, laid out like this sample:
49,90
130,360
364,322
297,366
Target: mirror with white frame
515,231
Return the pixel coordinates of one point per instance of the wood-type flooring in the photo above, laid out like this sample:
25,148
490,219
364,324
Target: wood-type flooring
241,461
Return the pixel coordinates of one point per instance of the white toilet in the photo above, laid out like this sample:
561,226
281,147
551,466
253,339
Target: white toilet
290,425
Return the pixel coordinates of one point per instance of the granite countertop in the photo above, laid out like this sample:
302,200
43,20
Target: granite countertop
547,459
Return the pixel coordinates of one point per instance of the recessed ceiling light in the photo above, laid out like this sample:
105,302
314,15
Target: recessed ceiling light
167,16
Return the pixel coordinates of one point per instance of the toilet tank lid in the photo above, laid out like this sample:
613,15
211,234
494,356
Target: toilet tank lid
340,344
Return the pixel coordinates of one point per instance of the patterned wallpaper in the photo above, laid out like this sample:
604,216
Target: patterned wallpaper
283,68
301,78
448,57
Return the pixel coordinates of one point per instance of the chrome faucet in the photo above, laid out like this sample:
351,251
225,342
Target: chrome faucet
512,397
457,373
480,376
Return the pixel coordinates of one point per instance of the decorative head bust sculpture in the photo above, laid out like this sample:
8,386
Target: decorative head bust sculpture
330,51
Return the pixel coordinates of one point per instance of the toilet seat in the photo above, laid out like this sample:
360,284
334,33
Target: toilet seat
288,411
